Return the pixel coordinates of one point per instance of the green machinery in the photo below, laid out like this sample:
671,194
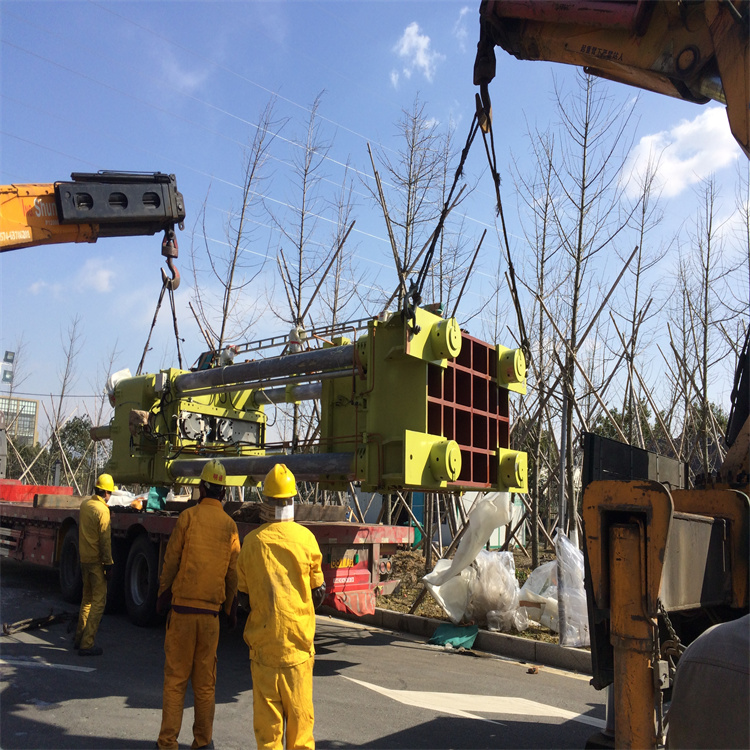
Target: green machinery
412,404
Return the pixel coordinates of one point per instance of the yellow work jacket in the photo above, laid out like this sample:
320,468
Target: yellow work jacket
94,532
200,563
279,565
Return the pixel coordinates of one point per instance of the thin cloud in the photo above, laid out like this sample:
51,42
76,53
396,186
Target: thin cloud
461,29
178,77
95,276
689,152
39,287
414,49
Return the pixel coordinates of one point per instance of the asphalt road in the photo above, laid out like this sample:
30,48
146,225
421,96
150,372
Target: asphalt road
373,688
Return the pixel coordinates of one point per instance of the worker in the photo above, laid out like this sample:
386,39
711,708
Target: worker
198,579
95,555
281,581
711,691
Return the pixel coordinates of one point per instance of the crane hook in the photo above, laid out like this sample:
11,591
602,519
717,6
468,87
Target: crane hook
174,282
170,250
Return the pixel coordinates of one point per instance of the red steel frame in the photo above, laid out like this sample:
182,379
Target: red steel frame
465,404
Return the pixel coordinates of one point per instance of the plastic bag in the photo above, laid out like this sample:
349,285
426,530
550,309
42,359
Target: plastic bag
491,511
112,382
121,498
541,595
494,593
453,595
538,595
574,615
453,636
486,586
156,498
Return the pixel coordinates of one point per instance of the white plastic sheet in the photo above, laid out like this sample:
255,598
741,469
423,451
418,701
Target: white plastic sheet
490,512
112,382
494,595
477,585
485,592
540,595
572,594
123,498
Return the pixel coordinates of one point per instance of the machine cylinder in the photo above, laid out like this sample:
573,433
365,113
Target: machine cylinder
293,364
304,466
289,394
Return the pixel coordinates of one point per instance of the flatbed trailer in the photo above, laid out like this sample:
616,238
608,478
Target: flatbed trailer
356,557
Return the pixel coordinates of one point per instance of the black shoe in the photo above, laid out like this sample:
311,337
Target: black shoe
94,651
210,746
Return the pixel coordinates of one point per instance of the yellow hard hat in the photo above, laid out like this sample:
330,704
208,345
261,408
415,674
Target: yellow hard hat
105,482
280,483
214,473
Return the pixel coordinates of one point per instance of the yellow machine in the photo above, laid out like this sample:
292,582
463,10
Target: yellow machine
663,563
423,408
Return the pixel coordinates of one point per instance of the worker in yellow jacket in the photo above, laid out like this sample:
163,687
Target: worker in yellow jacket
198,578
95,555
281,581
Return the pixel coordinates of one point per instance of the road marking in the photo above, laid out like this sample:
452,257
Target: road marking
26,663
461,704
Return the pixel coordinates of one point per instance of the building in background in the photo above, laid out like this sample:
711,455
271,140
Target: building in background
21,419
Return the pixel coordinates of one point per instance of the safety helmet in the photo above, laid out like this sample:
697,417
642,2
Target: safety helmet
214,473
279,483
105,482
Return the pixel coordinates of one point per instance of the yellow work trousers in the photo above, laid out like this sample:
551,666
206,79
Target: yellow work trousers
190,654
93,601
283,694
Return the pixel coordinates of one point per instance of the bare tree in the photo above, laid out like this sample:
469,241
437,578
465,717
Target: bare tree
646,216
454,251
72,343
415,177
229,315
705,276
306,265
343,279
536,195
587,217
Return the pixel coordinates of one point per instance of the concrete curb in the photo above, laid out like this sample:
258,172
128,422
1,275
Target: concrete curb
501,644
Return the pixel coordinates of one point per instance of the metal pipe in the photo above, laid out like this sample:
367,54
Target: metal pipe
261,385
331,358
284,394
305,466
102,432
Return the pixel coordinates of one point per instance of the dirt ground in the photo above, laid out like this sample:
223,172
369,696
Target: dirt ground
409,567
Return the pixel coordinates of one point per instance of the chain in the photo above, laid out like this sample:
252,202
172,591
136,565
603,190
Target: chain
674,638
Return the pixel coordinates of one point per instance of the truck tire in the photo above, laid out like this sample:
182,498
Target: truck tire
142,581
71,582
116,583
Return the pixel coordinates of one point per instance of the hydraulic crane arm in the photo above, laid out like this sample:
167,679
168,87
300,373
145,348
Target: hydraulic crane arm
696,50
102,204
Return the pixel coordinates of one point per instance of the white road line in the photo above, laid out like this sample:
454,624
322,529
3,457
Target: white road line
464,705
43,664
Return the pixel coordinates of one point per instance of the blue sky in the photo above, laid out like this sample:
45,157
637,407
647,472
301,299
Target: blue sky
178,86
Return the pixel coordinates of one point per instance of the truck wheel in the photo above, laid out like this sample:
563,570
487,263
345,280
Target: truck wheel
71,582
116,583
142,581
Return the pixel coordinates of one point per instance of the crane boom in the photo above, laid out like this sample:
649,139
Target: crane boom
695,51
91,205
